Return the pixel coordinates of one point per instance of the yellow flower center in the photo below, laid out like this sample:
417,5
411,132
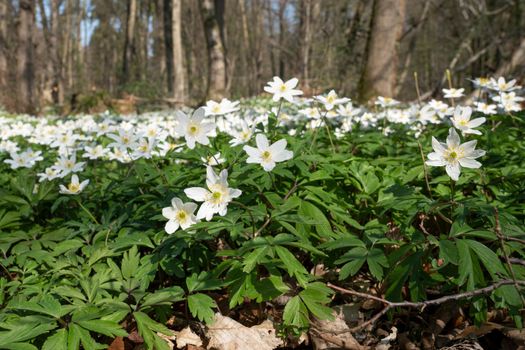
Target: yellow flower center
181,215
266,155
330,99
193,129
216,109
282,88
73,187
125,140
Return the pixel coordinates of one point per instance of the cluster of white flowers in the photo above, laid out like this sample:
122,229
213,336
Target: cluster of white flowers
128,138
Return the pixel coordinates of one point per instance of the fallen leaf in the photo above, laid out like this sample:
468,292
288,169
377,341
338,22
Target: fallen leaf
187,337
117,344
227,334
327,333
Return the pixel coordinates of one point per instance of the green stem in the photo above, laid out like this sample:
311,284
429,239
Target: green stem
88,212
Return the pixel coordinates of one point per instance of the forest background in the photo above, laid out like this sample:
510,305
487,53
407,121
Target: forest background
90,55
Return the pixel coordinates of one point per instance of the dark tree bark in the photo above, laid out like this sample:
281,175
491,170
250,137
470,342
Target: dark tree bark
168,43
179,73
26,101
379,77
4,48
213,16
129,43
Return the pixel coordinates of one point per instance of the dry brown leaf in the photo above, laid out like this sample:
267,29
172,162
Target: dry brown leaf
478,332
187,337
169,339
117,344
328,333
227,334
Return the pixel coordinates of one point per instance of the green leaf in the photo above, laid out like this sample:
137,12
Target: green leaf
201,306
254,258
292,265
295,313
448,251
23,331
109,328
165,296
466,268
130,263
489,259
315,296
57,341
351,268
148,331
47,306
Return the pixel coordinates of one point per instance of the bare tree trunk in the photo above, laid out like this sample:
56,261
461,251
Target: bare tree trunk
159,51
26,101
3,46
310,10
268,5
168,43
379,77
282,29
247,49
58,88
216,50
129,43
179,73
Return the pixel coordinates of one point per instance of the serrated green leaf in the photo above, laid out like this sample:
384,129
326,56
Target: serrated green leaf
57,341
201,306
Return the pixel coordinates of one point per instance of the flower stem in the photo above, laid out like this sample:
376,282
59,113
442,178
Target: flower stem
425,172
88,212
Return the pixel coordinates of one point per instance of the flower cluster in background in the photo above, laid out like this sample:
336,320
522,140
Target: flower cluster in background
73,144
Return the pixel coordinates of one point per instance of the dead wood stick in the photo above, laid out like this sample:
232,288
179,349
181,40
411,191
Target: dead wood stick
421,304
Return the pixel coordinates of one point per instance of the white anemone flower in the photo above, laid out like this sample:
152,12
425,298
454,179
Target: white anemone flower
95,152
281,89
194,129
331,100
503,86
67,165
179,214
216,198
485,108
462,122
74,187
386,102
49,174
453,93
224,107
267,155
19,161
453,155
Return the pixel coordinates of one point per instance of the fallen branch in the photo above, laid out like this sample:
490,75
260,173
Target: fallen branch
421,304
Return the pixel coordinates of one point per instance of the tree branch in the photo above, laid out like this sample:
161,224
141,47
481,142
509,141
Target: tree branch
421,304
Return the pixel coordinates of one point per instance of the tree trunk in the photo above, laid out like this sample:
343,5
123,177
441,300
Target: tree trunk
213,17
26,101
179,73
159,52
247,49
168,43
379,77
3,46
309,12
282,30
129,43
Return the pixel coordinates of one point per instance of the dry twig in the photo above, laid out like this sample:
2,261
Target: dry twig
421,304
